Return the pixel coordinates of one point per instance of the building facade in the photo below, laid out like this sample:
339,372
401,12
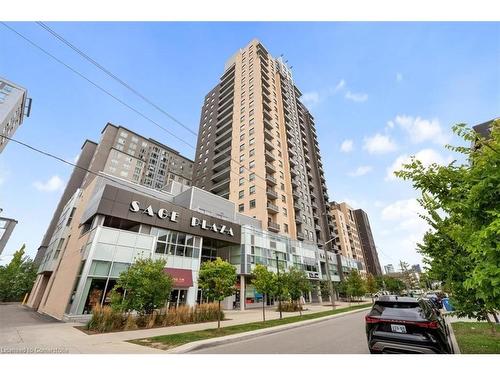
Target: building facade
346,231
389,268
257,146
129,156
14,105
370,254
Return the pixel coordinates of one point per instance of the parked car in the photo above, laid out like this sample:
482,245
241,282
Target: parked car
406,325
435,298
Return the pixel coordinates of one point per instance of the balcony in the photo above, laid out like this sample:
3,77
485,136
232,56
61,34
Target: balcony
272,208
270,168
298,219
224,136
271,193
270,180
296,206
273,227
295,183
220,187
223,163
317,227
300,236
292,162
293,172
268,125
223,127
270,156
268,145
222,175
268,135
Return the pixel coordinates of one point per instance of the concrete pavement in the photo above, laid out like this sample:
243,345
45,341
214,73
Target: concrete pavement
24,335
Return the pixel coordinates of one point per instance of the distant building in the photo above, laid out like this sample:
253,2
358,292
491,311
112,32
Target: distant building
370,254
14,104
389,269
416,268
6,228
484,129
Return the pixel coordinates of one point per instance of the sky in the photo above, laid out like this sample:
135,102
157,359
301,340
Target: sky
379,92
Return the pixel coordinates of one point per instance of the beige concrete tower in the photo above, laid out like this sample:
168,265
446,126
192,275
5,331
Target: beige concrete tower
347,232
257,147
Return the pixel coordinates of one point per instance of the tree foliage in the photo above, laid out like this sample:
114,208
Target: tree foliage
145,286
265,282
371,284
17,278
462,206
217,279
296,284
355,285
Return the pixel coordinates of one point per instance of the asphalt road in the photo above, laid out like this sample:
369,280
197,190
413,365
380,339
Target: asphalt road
341,335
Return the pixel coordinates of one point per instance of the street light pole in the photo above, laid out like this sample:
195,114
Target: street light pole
279,285
328,276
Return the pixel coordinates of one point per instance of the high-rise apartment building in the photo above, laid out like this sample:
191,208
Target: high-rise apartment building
127,155
14,105
346,231
389,269
257,147
6,228
370,254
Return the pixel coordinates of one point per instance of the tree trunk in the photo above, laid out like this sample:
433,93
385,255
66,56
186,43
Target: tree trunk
300,306
495,316
264,308
492,325
218,317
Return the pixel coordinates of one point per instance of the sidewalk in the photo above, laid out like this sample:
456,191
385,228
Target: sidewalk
64,338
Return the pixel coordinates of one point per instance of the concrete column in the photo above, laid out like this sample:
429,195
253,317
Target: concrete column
242,292
310,297
320,298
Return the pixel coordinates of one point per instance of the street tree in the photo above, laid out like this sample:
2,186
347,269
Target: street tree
355,285
462,206
264,282
217,279
394,285
143,287
297,284
17,278
371,285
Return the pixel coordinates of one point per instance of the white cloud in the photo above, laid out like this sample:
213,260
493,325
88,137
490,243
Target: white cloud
352,202
310,98
360,171
52,184
399,77
379,144
421,130
402,209
426,156
339,86
346,146
356,97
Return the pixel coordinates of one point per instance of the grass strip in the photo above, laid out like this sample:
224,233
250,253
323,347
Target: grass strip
171,341
476,338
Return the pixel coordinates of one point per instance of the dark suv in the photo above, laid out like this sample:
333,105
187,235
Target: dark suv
406,325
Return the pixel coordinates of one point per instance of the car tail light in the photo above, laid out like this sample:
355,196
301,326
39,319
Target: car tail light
431,325
370,319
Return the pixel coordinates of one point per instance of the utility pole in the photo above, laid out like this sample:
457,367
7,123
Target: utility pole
328,276
279,285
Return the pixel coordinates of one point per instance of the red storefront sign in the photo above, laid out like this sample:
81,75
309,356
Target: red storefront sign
182,278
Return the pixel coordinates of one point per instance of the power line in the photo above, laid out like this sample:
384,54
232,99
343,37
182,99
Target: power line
48,154
114,76
123,103
95,84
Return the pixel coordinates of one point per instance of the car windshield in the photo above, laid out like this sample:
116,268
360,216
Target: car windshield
399,311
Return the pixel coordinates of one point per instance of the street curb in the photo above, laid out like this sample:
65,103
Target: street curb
202,344
456,348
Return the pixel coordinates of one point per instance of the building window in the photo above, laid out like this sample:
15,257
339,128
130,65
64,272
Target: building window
251,165
251,177
251,141
286,227
283,198
242,169
241,194
242,181
241,207
285,213
251,190
251,152
252,203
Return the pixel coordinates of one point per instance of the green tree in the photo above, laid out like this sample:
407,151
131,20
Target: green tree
297,284
217,279
371,285
264,282
394,285
145,285
355,285
17,278
462,205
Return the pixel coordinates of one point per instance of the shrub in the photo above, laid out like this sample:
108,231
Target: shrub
289,307
105,319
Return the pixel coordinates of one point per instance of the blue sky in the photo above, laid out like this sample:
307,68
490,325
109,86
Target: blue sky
379,92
